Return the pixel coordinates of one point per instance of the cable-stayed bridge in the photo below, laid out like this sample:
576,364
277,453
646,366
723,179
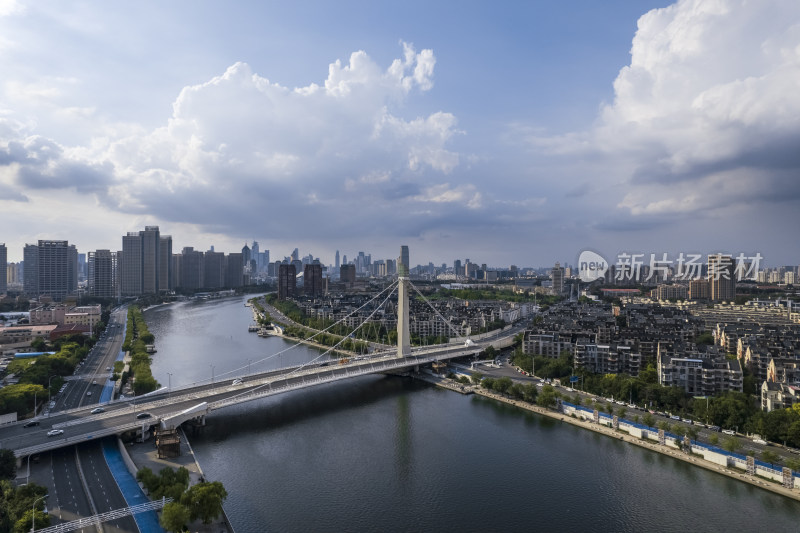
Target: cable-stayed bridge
170,408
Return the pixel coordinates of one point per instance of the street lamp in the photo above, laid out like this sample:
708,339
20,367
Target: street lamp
169,389
34,403
33,512
212,375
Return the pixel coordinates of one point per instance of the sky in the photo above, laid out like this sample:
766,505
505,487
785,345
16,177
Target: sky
507,133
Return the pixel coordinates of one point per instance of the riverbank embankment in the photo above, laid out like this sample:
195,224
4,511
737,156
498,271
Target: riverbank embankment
664,449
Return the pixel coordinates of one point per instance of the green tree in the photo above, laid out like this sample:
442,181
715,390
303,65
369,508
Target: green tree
477,377
547,397
648,420
204,501
24,524
622,412
8,464
793,463
692,432
175,516
768,456
731,444
503,385
713,439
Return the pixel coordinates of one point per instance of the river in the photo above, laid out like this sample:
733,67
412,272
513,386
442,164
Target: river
382,453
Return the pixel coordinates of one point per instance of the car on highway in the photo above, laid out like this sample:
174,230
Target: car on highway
30,423
108,369
760,441
236,381
89,393
143,415
54,432
97,410
729,432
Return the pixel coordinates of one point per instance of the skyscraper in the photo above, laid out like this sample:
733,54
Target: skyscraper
287,281
255,254
312,279
721,277
146,263
557,273
51,269
337,264
403,265
3,269
165,263
101,277
131,265
30,270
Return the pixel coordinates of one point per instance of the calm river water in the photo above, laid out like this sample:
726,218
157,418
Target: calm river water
384,453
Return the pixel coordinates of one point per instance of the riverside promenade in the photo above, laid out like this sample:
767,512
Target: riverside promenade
732,473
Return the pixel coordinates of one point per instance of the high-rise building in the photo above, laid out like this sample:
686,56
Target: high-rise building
101,276
699,289
51,269
30,270
246,254
3,269
151,243
337,264
457,267
234,276
557,274
312,279
347,273
165,263
296,255
214,270
255,254
130,267
721,277
287,281
146,262
191,269
403,264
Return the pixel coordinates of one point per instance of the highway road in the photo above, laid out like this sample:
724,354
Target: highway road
68,499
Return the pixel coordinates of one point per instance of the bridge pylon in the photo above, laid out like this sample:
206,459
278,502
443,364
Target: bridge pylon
403,335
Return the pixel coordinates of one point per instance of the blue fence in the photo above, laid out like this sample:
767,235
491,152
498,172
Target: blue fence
669,435
133,494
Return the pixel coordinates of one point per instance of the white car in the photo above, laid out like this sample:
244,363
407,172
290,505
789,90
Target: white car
54,432
97,410
729,432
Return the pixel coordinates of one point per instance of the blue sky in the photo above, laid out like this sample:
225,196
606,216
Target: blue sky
518,133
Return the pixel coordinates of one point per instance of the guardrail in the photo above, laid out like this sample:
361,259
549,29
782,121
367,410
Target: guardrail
107,516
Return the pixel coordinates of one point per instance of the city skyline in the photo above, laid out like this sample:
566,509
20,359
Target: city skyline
521,135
